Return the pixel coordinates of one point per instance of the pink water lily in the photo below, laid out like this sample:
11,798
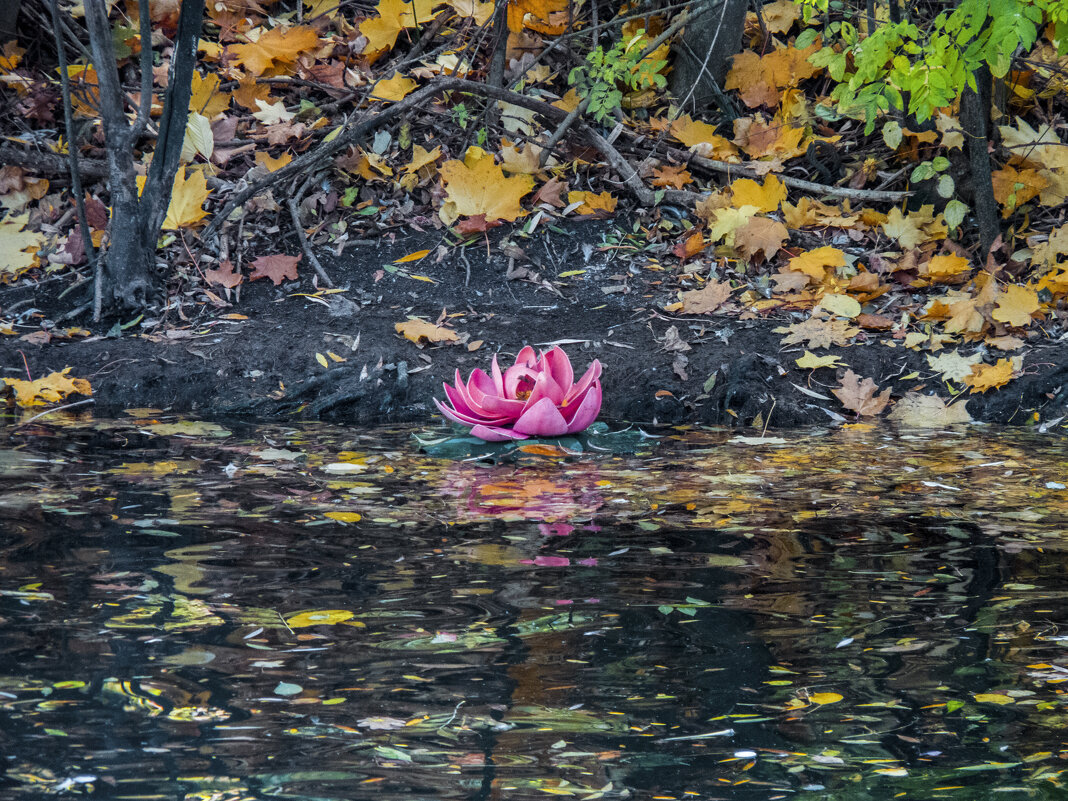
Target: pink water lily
535,397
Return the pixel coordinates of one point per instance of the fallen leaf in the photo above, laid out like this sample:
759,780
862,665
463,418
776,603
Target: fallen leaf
1015,306
592,203
814,263
810,361
707,299
18,248
477,185
394,88
188,194
989,376
676,176
766,197
277,47
928,411
952,366
841,305
278,268
816,332
224,275
760,238
825,698
51,388
859,396
690,246
419,331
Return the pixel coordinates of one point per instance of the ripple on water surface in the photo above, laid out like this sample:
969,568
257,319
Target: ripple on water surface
202,611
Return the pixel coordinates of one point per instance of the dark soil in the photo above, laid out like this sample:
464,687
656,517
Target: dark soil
736,371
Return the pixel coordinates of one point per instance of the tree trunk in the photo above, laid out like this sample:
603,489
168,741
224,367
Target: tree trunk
128,274
9,13
975,120
703,53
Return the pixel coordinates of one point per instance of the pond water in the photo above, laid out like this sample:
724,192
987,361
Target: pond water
213,612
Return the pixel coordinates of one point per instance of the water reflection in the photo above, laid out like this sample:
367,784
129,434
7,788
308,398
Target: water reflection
192,611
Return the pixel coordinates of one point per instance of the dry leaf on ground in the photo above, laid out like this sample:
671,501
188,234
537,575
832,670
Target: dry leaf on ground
707,299
477,185
278,268
818,333
419,331
859,396
52,388
990,376
928,411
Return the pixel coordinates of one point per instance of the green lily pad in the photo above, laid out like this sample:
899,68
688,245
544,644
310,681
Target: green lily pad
456,443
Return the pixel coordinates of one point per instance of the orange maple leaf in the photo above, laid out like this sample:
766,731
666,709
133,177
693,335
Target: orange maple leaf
276,47
989,376
859,396
278,268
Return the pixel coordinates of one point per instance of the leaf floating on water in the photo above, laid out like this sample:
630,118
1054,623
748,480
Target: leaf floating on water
993,698
285,688
320,617
825,698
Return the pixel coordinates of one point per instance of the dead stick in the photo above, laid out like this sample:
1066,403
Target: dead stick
291,202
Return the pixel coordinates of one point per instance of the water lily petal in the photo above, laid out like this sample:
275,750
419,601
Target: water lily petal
516,379
485,399
469,419
526,357
458,400
585,410
559,367
498,379
542,419
496,434
545,387
589,377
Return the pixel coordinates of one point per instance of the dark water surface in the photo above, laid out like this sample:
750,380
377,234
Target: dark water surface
208,613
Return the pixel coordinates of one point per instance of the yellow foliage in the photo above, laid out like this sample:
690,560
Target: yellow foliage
52,388
477,186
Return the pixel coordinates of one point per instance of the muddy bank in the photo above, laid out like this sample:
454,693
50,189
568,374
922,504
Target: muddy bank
262,355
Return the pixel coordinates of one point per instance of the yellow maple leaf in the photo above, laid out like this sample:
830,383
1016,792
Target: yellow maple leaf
396,87
393,17
477,186
989,376
270,162
592,203
946,268
188,194
724,222
1015,305
814,263
702,139
479,12
810,361
277,47
1013,187
52,388
206,98
766,197
777,139
780,15
544,16
417,331
913,229
760,77
18,248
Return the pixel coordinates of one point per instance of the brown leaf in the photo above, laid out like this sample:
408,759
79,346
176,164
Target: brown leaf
419,331
707,299
859,396
818,333
550,192
760,238
278,268
224,275
475,225
690,246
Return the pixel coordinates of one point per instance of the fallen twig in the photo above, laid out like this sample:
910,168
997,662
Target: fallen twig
294,212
